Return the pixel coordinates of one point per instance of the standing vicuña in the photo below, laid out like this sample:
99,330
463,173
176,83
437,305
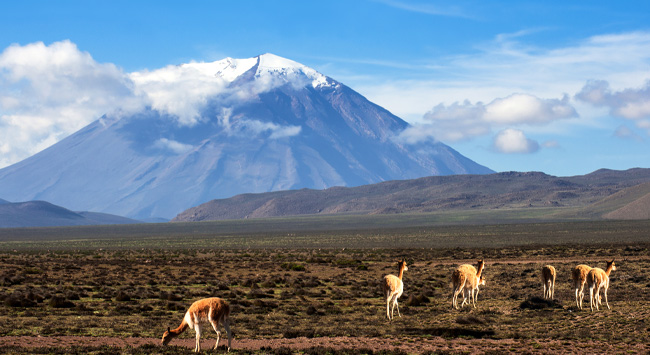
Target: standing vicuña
466,279
579,276
392,287
548,281
599,278
213,310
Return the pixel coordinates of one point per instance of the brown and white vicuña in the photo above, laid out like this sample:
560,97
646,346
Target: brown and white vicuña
548,281
215,311
598,279
466,279
392,288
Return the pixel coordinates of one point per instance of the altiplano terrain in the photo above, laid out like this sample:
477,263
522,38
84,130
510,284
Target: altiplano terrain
118,299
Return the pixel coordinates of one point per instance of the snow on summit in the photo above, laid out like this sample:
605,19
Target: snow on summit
181,90
230,69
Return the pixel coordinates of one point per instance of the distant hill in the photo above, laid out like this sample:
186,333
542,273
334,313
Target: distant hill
45,214
637,208
584,196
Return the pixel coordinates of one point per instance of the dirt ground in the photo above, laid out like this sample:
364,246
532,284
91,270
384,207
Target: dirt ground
397,344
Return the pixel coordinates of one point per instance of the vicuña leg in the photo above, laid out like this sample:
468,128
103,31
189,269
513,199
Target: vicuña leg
215,326
226,325
388,299
593,298
582,293
197,329
395,304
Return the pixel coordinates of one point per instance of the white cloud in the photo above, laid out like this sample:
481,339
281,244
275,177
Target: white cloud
512,141
631,104
240,125
275,131
464,121
178,90
523,108
172,146
48,92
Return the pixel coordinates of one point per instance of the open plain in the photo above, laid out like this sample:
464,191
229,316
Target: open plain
300,287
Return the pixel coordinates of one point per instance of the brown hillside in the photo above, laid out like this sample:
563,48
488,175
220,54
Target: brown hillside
638,209
501,191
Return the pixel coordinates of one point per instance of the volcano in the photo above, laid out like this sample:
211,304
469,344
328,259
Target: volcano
232,126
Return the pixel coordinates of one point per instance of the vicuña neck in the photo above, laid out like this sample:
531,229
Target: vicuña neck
481,264
181,328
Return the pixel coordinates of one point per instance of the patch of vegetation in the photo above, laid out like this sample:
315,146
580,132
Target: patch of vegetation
293,266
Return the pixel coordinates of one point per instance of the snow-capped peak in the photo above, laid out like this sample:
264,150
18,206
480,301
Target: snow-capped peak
271,64
267,64
228,69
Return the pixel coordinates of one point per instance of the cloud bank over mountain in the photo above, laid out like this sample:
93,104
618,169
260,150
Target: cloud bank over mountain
50,91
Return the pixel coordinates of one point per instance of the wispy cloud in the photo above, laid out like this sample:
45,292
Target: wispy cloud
428,8
235,125
172,146
625,133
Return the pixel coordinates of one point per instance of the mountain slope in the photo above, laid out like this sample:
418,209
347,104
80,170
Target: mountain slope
264,124
509,190
45,214
636,202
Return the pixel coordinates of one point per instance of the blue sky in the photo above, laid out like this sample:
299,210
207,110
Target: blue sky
554,86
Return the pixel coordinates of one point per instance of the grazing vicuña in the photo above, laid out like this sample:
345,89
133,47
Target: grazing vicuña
466,278
598,278
392,288
579,277
548,281
212,310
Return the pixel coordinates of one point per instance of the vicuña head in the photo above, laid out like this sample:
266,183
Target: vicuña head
611,264
168,336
